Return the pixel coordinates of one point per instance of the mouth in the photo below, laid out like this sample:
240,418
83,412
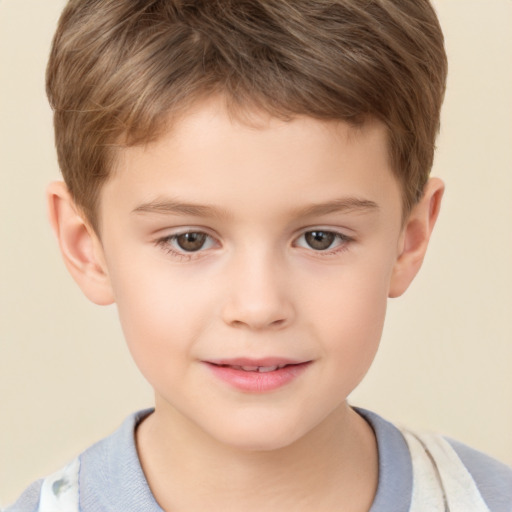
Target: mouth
257,376
260,369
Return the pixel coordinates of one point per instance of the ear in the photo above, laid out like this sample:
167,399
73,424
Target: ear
80,246
415,237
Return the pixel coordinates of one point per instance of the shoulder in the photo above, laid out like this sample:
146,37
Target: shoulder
100,473
493,478
58,492
442,472
29,500
455,462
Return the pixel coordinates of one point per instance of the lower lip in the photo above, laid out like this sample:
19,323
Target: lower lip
258,382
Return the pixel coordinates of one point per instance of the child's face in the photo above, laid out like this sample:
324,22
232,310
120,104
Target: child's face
294,231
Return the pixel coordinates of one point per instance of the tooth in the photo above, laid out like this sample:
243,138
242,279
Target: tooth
263,369
249,368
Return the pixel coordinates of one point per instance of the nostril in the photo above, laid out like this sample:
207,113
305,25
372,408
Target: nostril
257,312
259,325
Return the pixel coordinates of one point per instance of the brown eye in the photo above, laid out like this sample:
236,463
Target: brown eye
191,242
320,240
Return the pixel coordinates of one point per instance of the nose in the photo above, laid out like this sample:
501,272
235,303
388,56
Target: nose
257,296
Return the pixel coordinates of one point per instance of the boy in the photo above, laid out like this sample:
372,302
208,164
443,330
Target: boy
248,181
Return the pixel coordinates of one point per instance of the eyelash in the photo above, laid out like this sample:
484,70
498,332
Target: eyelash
165,243
342,241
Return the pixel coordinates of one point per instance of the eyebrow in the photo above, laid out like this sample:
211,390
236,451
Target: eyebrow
342,205
175,207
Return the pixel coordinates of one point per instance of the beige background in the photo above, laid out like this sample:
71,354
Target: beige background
445,363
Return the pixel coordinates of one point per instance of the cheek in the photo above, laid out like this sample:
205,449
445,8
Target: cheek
350,308
354,325
160,316
352,335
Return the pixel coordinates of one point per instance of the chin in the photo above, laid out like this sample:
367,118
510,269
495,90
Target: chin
259,438
255,445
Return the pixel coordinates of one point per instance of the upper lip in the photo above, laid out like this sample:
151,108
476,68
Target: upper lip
264,362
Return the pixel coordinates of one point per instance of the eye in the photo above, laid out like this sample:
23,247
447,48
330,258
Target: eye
190,242
319,240
186,243
322,240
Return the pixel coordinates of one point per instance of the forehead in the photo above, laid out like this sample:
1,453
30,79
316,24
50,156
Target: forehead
211,156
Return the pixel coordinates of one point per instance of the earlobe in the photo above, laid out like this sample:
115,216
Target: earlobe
415,237
80,246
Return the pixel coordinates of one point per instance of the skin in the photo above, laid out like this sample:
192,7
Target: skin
257,288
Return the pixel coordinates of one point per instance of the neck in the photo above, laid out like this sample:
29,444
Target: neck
334,464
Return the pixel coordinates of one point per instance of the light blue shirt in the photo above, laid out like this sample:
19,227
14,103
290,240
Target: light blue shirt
111,478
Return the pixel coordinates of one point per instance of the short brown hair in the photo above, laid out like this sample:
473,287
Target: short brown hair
120,69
